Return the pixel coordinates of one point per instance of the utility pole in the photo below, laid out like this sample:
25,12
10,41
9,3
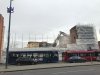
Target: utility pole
22,40
15,41
10,10
35,37
29,39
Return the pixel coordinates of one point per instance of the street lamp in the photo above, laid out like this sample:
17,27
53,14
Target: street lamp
10,10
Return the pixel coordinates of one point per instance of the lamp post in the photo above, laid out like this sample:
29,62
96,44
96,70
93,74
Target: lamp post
10,10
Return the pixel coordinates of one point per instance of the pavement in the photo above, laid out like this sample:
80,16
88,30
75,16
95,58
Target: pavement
12,68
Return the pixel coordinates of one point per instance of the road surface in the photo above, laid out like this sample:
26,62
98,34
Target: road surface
79,70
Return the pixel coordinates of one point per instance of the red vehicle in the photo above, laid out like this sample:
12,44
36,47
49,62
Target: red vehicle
97,54
88,55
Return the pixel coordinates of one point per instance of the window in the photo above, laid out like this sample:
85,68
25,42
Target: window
17,55
74,54
41,55
88,54
92,54
55,54
29,54
46,55
82,54
23,54
13,54
98,54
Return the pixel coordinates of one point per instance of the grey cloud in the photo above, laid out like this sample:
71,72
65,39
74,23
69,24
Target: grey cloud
48,16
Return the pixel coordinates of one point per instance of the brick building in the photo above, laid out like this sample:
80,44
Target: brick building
1,34
32,44
73,34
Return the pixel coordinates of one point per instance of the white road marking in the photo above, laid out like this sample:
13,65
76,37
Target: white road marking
74,71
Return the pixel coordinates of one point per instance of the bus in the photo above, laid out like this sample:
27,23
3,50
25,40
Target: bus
86,54
97,54
42,55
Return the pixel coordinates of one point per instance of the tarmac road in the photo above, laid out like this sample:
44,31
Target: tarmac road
79,70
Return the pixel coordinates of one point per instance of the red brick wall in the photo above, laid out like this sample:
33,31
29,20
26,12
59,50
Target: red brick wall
73,34
1,33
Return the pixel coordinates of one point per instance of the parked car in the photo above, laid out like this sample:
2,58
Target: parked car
75,59
26,61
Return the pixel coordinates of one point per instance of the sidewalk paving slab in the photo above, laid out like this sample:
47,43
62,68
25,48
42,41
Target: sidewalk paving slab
12,68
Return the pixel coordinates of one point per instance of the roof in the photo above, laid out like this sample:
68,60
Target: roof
79,51
37,49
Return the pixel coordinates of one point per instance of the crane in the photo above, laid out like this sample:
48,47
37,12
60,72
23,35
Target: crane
58,38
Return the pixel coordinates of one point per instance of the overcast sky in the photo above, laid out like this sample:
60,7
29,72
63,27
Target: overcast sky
42,18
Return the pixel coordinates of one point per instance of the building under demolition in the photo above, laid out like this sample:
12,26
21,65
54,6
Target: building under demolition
83,37
62,40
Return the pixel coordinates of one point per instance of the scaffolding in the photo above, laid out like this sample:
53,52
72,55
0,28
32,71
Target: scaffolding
86,36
